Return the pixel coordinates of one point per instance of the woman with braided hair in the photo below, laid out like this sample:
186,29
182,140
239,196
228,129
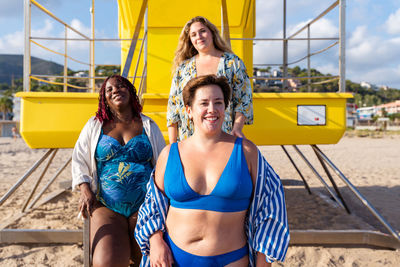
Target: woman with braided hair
111,165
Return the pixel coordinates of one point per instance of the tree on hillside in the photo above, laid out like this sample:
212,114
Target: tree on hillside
6,105
4,86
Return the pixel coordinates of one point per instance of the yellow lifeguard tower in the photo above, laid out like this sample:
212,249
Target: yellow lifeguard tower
49,121
54,120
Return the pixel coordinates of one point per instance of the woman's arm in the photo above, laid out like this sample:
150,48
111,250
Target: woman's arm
160,253
242,96
173,109
152,214
267,216
81,167
251,153
81,164
86,200
238,125
173,133
269,232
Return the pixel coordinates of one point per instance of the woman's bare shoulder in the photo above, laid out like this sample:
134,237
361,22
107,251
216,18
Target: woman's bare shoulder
249,147
160,166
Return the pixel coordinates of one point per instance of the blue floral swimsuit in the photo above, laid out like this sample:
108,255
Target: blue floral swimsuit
123,172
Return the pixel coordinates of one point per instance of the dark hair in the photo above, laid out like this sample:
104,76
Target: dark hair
104,113
191,87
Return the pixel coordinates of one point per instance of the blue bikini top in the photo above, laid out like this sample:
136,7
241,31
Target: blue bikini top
232,192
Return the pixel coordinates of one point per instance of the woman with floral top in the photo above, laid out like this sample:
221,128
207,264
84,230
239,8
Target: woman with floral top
202,51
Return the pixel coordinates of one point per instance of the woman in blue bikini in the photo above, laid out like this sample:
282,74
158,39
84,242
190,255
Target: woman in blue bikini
213,200
111,165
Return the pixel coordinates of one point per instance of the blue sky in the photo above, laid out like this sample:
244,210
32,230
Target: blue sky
372,45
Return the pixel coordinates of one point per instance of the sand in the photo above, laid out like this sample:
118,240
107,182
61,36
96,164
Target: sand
371,164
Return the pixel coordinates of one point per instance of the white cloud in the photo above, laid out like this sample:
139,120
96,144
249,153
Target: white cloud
380,76
328,68
80,27
366,51
45,31
12,43
267,21
393,23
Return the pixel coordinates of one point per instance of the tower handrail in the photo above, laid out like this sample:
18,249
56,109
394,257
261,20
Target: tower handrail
57,19
225,23
135,36
313,54
58,53
59,83
80,39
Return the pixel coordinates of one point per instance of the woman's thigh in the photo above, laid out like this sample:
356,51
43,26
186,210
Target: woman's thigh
110,238
135,249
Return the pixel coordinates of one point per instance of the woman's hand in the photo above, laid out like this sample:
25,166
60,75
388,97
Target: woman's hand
87,200
160,254
237,133
261,262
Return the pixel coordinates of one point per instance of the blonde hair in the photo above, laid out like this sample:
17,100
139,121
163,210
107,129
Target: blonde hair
186,50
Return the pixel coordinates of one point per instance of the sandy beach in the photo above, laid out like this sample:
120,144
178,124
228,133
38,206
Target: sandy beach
371,164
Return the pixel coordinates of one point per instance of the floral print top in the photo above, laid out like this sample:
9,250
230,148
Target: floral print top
230,66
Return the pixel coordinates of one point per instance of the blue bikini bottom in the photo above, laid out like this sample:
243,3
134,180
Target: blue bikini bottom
184,259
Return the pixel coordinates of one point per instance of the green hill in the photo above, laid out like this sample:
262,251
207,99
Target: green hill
11,66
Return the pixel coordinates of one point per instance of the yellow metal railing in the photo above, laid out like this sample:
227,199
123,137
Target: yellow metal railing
49,79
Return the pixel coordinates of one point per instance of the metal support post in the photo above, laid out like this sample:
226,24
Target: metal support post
86,241
342,46
314,147
358,194
308,58
297,169
285,48
135,36
319,176
48,184
25,176
39,179
141,85
92,73
27,45
65,59
145,47
225,23
138,59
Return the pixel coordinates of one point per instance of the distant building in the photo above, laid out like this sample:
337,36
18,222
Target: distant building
366,113
262,73
16,108
367,85
80,74
294,84
351,115
390,108
277,73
